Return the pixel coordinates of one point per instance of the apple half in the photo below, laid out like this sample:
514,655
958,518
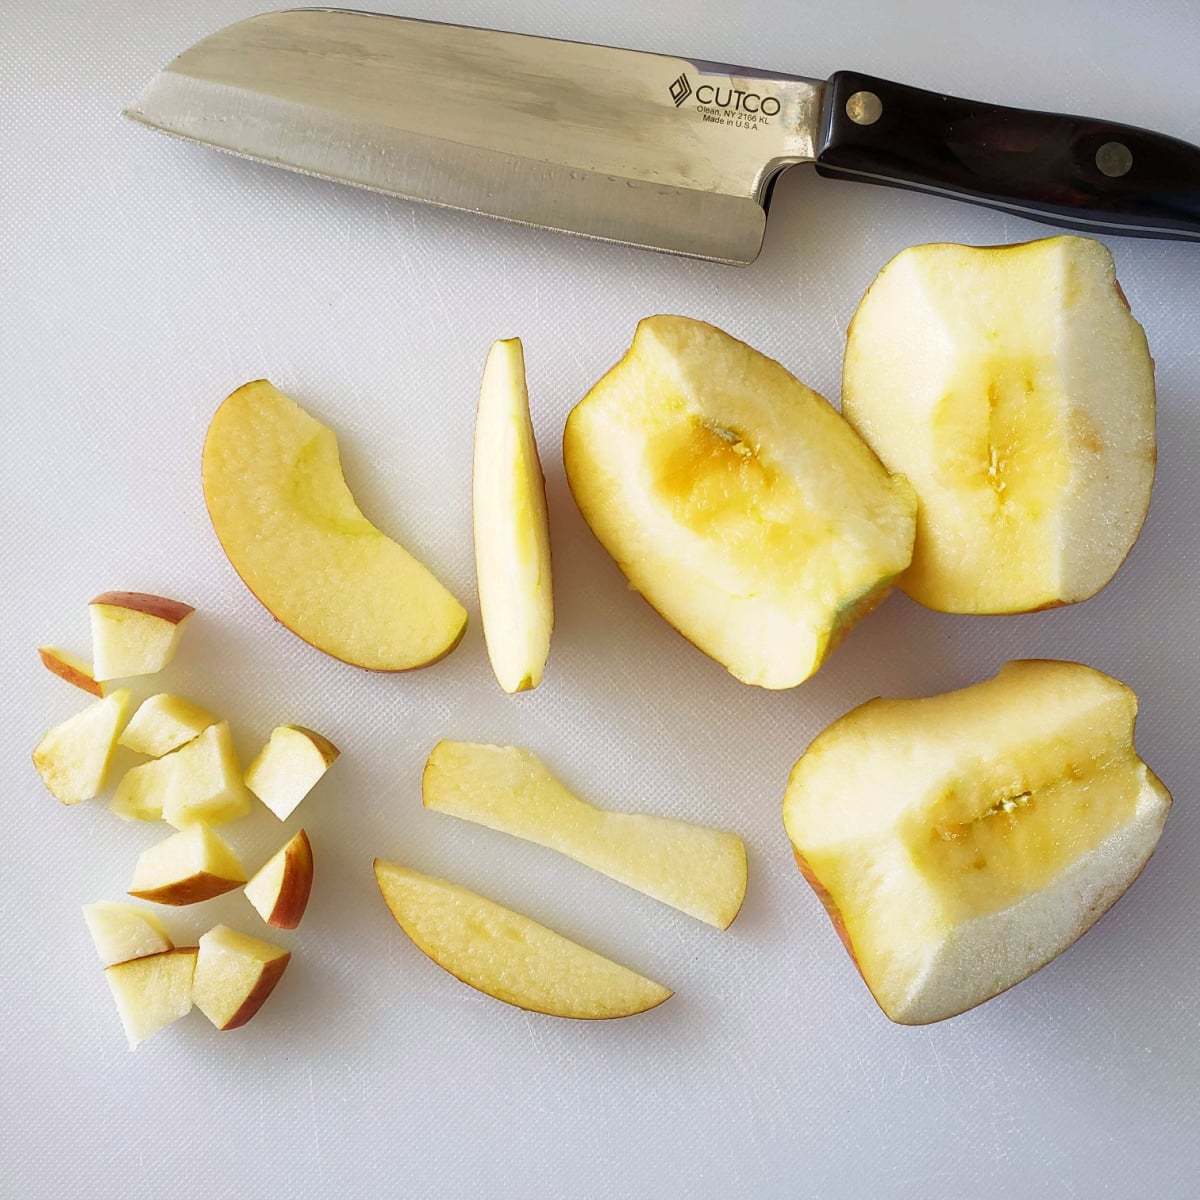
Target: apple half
698,870
280,888
135,633
1015,391
508,956
512,530
235,973
736,500
960,842
287,522
73,758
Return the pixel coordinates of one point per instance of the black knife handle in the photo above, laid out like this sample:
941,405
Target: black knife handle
1092,175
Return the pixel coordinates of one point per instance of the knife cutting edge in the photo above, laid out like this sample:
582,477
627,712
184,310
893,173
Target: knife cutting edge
667,153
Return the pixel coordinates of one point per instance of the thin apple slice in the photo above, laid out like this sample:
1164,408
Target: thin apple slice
135,633
698,870
512,530
142,791
75,670
288,767
124,931
235,974
205,781
280,888
152,992
188,867
163,723
73,758
961,841
736,500
286,520
508,956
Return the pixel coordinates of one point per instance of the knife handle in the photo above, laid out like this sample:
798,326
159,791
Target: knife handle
1075,171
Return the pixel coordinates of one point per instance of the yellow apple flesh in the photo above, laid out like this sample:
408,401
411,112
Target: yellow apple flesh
70,667
289,525
73,757
205,781
234,976
288,767
123,931
163,723
188,867
280,888
135,633
142,791
153,991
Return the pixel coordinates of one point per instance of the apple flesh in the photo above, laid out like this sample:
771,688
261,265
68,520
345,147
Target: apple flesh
288,767
508,956
280,888
188,867
205,781
123,931
1014,390
135,633
736,500
512,531
73,757
698,870
152,992
70,667
234,976
142,791
163,723
289,525
962,841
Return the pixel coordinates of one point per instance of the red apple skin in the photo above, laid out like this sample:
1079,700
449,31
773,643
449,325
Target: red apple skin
63,670
173,611
297,884
192,890
271,975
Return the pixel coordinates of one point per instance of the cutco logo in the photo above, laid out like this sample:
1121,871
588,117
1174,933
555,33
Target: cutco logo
680,90
725,105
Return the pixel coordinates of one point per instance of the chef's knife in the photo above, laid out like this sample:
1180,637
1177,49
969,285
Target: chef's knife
673,154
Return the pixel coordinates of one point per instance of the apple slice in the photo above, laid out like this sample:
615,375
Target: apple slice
512,530
187,867
288,767
235,974
736,500
698,870
73,757
123,931
279,889
163,723
285,518
135,633
1013,388
153,991
70,667
508,956
961,841
142,791
205,781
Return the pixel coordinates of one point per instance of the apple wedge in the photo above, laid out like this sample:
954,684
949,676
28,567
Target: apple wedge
288,767
961,841
205,781
73,758
698,870
163,723
512,530
280,888
142,791
135,633
124,931
70,667
153,991
736,500
508,956
1013,388
234,976
288,524
188,867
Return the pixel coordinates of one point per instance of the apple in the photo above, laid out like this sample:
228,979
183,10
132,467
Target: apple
289,526
1015,391
205,781
512,531
288,767
280,888
235,974
135,633
123,931
163,723
698,870
70,667
142,791
73,758
736,500
508,956
189,866
153,991
960,842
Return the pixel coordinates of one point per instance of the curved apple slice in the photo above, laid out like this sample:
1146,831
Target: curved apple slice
289,525
508,956
75,670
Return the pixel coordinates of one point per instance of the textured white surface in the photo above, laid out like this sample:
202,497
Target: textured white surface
141,279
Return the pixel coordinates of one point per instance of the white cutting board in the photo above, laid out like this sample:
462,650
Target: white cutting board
141,279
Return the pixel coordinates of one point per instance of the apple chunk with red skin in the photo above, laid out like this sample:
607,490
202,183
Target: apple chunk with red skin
186,868
962,841
135,633
235,973
289,766
70,667
280,888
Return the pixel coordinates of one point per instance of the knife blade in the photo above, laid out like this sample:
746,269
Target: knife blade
668,153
